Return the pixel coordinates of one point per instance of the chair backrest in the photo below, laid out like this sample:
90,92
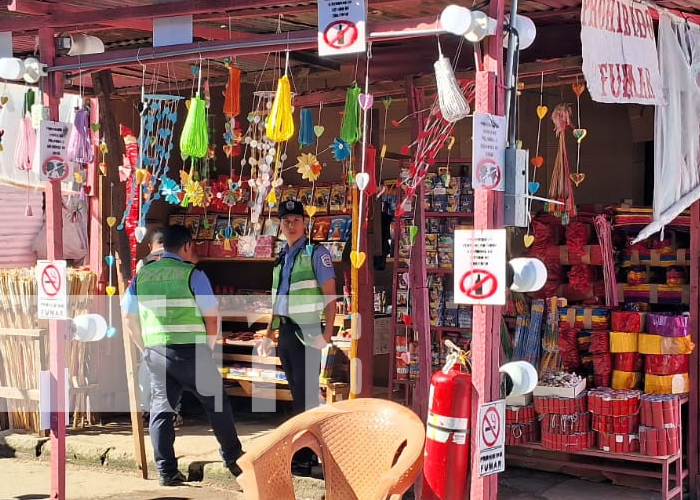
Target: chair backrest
371,449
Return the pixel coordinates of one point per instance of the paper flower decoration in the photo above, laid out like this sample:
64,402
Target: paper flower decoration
341,149
308,166
170,190
194,193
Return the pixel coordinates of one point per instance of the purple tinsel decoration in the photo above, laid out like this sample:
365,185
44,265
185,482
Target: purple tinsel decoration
80,148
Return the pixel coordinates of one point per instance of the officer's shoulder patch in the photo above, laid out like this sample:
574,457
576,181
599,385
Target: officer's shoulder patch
326,260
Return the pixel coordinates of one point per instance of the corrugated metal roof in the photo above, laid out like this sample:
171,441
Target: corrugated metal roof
17,231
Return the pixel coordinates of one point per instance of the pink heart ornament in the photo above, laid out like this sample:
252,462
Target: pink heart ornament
366,101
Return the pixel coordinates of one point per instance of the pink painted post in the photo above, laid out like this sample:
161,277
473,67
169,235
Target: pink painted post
488,214
54,248
694,410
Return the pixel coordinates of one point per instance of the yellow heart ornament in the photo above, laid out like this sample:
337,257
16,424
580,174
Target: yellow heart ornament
528,239
111,221
542,111
578,178
111,290
310,210
357,259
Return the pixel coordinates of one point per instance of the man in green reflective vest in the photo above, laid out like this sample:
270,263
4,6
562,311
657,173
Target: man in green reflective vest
303,287
171,314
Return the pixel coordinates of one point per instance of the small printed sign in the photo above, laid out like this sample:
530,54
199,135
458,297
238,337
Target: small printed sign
492,428
488,152
341,27
53,163
480,266
52,297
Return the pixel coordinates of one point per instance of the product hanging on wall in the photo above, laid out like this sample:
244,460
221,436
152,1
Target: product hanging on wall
453,104
537,161
579,133
560,188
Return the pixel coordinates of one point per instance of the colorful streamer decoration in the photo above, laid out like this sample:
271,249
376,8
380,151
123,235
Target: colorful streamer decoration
537,161
579,133
232,94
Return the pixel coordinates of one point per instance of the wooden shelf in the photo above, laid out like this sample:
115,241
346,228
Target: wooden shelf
437,328
231,376
463,215
441,271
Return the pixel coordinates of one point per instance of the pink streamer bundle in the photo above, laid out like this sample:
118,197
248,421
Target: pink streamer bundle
26,142
560,188
80,148
604,231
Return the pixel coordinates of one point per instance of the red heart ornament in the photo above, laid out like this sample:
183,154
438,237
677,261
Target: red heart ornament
407,320
395,123
404,150
537,161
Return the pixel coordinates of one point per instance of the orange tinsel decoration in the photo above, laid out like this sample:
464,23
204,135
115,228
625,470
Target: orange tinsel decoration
232,94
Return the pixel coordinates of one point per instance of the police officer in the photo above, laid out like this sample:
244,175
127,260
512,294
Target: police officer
302,276
171,314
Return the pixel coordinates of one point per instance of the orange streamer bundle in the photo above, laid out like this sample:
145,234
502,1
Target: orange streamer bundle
232,94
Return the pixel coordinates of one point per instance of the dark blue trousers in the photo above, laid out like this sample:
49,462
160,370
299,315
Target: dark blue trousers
172,369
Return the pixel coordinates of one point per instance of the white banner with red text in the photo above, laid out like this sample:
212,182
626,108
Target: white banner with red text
620,60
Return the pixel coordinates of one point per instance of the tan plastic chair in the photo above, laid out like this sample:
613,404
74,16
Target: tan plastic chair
371,449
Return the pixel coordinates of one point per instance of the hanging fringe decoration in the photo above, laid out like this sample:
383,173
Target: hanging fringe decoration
280,123
453,104
560,188
232,94
350,130
603,229
194,141
80,148
306,128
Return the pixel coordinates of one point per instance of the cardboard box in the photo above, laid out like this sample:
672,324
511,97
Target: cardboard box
520,400
562,392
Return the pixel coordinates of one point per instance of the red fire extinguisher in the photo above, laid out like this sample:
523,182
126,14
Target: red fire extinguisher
446,464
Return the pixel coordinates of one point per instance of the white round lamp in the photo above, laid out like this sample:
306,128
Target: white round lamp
527,31
456,19
88,328
11,68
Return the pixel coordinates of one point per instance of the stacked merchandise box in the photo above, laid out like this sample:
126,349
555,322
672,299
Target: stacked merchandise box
624,336
578,332
561,404
522,425
615,419
660,432
667,347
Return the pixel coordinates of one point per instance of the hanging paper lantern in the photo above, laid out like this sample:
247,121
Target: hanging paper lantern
232,94
307,135
350,130
194,141
280,123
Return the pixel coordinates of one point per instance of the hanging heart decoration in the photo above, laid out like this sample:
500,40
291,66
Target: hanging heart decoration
111,332
396,123
382,153
407,320
357,259
528,239
580,134
366,101
109,259
362,180
537,161
577,178
533,187
413,232
310,249
103,168
111,221
542,111
310,210
111,290
578,88
228,149
319,130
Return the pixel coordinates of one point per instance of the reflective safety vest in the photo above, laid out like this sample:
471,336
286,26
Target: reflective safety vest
305,298
167,308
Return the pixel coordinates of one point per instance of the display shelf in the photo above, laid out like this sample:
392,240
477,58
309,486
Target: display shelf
440,329
459,215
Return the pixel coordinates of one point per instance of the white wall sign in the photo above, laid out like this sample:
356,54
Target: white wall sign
480,266
53,158
51,280
341,27
488,152
492,430
620,61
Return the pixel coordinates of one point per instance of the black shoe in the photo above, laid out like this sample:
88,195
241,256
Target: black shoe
177,420
301,469
233,468
175,479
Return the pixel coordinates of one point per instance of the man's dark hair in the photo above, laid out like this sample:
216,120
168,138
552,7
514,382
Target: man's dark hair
157,236
175,238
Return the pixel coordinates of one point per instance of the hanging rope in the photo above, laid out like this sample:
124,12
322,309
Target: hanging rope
350,130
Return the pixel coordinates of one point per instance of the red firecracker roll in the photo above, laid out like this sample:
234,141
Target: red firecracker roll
522,433
578,235
657,442
568,348
605,401
628,424
666,364
564,406
600,342
568,443
520,414
628,361
660,410
618,443
628,321
576,423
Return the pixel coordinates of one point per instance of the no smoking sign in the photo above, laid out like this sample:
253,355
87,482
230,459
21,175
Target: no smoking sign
341,27
492,430
52,296
480,266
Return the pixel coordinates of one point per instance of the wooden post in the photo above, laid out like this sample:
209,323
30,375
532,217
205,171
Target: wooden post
53,90
693,447
132,383
488,214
